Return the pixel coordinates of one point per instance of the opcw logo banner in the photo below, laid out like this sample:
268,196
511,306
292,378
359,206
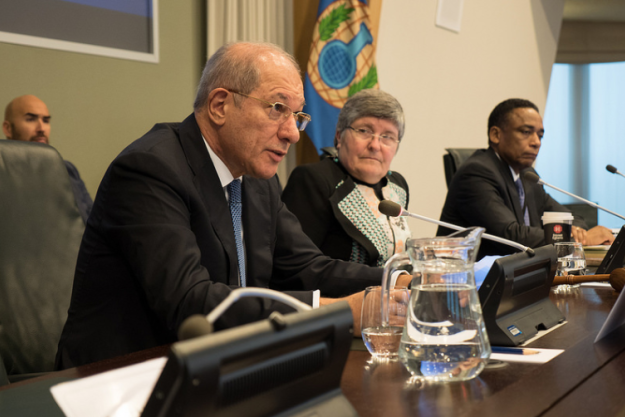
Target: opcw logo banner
341,63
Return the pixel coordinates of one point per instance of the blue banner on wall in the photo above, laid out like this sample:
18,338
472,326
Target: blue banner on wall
341,63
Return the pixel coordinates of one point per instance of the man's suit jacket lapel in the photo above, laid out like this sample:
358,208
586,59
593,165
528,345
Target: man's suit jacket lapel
206,181
347,187
510,187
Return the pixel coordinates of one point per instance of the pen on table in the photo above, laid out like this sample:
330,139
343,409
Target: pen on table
513,351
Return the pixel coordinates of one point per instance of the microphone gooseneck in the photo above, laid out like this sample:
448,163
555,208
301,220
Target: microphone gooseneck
391,208
532,177
239,293
612,169
199,325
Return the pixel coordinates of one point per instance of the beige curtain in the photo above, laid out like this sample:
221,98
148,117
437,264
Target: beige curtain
253,20
250,20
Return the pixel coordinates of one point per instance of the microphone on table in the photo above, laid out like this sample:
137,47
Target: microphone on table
612,169
616,278
392,209
534,178
200,325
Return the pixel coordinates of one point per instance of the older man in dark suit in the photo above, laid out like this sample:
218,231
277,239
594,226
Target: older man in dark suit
191,211
489,191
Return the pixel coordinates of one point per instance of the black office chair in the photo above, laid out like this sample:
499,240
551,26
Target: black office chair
40,233
4,379
328,152
588,213
453,159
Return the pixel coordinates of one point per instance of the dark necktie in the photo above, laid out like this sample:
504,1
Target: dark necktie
519,188
236,209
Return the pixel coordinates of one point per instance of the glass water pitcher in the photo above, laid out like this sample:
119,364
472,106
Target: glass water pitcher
444,338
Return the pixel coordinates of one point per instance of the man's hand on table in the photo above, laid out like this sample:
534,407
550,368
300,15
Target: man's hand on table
355,304
598,235
355,301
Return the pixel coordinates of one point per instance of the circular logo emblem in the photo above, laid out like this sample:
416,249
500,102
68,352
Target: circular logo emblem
557,228
342,55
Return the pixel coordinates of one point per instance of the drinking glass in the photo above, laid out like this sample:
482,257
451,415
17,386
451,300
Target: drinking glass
571,261
382,340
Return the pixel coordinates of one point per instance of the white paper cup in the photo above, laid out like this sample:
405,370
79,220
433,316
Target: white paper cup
557,226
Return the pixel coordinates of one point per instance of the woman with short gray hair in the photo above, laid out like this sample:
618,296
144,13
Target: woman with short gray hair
336,199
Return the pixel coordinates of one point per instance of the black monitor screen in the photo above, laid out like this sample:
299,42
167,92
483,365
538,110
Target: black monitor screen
615,258
278,365
515,296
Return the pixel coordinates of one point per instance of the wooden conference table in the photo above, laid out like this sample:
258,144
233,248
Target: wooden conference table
586,379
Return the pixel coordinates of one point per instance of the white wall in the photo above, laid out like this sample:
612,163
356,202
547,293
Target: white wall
449,82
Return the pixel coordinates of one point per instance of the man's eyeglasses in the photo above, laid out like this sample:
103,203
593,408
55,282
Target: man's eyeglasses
280,111
366,134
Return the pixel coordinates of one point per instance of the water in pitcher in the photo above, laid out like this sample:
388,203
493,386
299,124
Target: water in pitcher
444,333
445,336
